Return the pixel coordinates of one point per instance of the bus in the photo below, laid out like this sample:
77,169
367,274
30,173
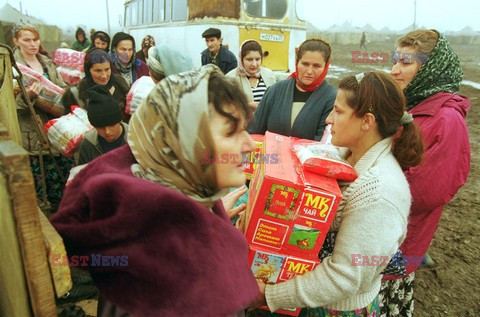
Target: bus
278,25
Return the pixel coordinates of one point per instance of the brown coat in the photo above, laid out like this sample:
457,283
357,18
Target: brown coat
30,138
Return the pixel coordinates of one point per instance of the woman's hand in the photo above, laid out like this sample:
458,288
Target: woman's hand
34,90
261,300
230,199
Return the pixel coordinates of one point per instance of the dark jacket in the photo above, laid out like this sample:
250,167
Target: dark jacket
78,95
90,148
226,61
141,55
275,111
174,256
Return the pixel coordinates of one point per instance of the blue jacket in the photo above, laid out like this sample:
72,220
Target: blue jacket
226,61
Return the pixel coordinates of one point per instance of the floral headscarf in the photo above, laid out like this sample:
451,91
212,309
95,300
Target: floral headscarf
170,131
441,72
148,41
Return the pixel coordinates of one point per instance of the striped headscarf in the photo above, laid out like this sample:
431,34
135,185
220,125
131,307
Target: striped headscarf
170,131
442,72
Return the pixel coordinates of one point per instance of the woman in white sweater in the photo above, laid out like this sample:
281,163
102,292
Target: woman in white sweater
368,118
252,77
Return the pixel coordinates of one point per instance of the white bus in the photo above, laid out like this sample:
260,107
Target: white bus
277,24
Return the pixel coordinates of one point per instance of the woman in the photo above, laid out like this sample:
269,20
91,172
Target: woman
101,40
147,42
125,62
299,105
27,42
154,203
252,77
82,42
97,72
165,60
379,139
430,82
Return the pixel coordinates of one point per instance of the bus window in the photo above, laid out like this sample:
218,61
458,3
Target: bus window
140,12
300,9
179,10
273,9
134,6
168,10
158,10
147,11
128,14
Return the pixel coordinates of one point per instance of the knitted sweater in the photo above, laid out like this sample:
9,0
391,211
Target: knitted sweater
371,221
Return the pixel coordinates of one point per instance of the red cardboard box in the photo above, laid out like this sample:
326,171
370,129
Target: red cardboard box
274,268
253,159
289,211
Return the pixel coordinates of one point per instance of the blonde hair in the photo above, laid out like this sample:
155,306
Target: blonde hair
423,41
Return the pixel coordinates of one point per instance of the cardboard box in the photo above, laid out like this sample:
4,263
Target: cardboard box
272,268
289,211
253,159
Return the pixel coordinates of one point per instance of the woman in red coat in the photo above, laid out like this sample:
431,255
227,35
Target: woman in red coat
429,72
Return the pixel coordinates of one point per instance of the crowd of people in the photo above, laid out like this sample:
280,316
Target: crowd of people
144,192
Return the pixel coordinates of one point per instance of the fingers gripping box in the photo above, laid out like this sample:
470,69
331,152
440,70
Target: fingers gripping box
253,159
272,268
289,210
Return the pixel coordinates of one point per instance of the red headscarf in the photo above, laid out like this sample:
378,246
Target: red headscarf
319,80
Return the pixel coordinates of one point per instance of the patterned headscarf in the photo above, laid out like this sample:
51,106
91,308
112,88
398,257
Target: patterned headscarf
241,69
148,41
442,72
170,131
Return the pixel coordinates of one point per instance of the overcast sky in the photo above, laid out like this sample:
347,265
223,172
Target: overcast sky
444,15
440,14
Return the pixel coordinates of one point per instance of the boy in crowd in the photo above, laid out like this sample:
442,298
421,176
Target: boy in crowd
105,116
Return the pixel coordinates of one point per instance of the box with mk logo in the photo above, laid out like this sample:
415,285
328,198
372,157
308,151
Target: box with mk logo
289,210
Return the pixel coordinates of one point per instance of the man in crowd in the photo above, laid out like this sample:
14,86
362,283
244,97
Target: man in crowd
216,53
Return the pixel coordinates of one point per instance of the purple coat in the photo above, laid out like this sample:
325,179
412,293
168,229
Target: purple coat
444,170
183,259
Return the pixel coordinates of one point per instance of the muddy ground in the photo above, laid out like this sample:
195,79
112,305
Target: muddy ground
451,287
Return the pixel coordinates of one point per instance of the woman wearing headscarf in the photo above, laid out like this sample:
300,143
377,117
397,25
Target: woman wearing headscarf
164,61
27,53
82,42
101,40
250,74
155,205
97,69
429,72
379,139
125,62
299,105
147,42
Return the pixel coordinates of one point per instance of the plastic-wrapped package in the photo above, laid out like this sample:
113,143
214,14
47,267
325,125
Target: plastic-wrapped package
68,58
138,92
70,76
323,158
49,98
66,133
